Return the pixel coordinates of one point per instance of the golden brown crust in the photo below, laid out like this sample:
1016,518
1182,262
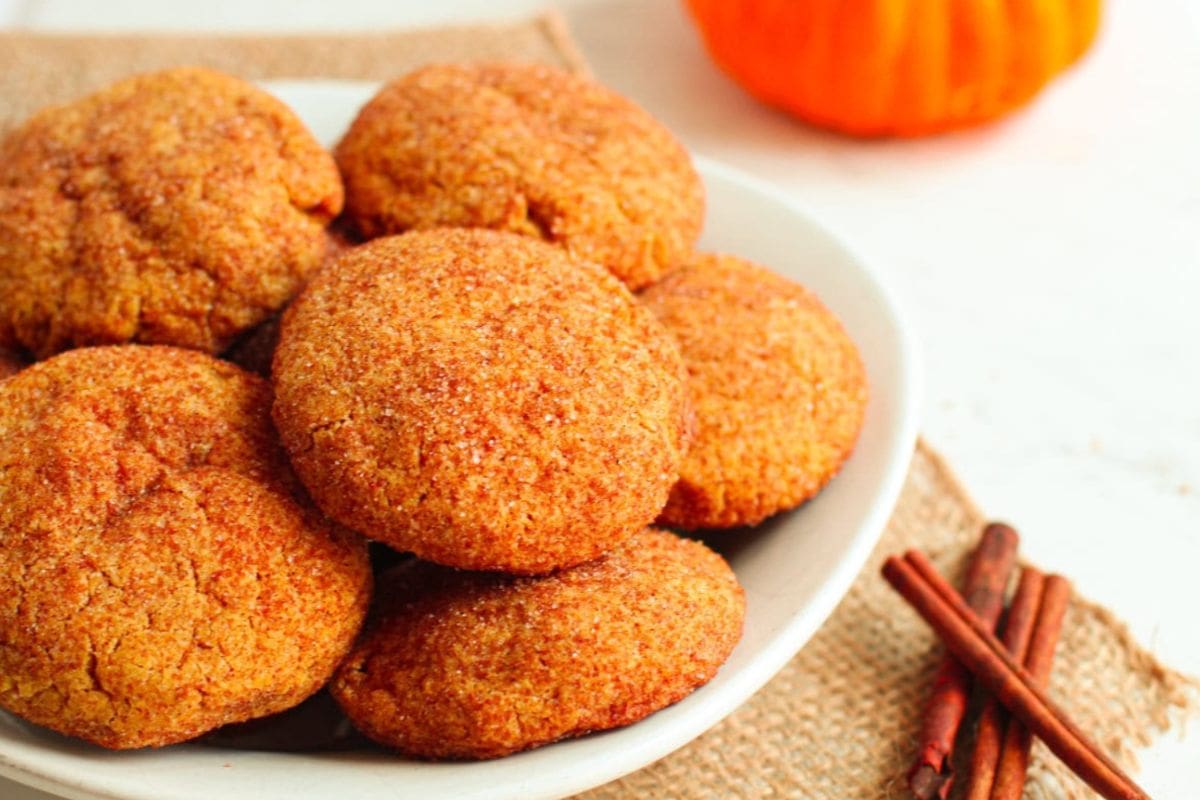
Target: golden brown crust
160,574
471,665
179,207
529,149
778,389
480,399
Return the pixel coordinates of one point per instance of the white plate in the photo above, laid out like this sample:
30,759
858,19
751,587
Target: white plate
794,569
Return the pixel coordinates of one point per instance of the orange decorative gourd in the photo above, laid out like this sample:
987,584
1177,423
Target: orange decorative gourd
895,67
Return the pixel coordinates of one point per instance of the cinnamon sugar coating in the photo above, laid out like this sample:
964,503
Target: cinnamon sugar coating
479,665
529,149
480,399
178,207
778,388
161,573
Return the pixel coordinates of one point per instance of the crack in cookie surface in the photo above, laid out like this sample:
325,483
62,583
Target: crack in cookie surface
179,207
163,572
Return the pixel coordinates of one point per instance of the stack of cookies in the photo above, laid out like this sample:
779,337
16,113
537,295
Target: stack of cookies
462,373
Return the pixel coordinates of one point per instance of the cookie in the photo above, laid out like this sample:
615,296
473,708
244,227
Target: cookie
529,149
471,665
179,207
161,573
778,388
480,399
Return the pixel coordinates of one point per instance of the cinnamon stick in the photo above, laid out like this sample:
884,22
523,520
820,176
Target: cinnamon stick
990,732
987,578
1014,758
982,653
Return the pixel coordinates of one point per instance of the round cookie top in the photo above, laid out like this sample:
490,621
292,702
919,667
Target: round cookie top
480,399
161,574
477,665
178,207
528,149
778,389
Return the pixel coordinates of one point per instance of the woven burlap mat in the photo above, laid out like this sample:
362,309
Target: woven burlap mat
38,70
838,721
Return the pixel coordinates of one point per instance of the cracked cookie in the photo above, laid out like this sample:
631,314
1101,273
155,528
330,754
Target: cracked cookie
161,573
528,149
179,207
476,665
480,399
778,389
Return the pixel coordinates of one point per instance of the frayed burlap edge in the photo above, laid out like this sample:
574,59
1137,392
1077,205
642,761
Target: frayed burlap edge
839,720
37,70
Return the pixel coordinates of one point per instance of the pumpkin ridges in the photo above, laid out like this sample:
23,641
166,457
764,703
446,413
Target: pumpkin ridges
816,48
921,88
756,20
874,33
793,32
839,63
941,65
980,42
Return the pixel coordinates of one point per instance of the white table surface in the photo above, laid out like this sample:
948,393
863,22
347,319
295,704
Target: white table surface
1050,265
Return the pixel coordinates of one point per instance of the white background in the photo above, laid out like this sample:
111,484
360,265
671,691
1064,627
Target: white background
1050,265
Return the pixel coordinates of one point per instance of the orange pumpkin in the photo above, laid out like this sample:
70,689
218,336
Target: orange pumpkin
895,67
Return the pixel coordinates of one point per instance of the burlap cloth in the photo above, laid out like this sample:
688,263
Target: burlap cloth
838,721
